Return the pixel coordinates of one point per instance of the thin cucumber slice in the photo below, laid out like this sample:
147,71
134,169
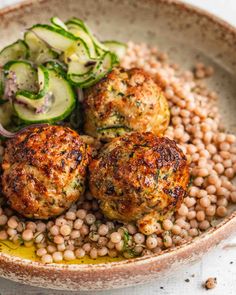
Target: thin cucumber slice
101,68
79,69
63,102
79,22
17,50
77,57
99,71
39,52
104,67
30,103
100,48
79,31
38,101
59,67
79,81
58,23
2,78
57,38
116,47
78,51
105,64
43,85
43,80
23,74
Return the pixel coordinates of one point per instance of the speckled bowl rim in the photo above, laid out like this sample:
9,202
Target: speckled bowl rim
216,233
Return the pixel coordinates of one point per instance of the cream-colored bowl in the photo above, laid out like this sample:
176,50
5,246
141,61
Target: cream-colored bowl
187,34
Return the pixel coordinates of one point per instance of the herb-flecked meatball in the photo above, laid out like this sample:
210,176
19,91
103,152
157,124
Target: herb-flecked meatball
44,170
122,102
139,177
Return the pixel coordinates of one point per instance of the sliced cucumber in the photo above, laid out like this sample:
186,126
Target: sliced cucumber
39,52
40,101
79,31
78,51
59,67
43,80
23,73
79,69
65,54
80,81
77,57
31,103
17,50
98,72
55,37
79,22
100,48
63,102
116,47
43,85
2,78
58,23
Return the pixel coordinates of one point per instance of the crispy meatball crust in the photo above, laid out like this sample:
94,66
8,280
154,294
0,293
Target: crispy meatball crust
125,101
139,174
44,170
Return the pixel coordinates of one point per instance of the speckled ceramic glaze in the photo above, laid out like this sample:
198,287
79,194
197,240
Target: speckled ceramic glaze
187,34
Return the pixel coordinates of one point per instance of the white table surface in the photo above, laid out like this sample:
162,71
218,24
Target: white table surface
220,263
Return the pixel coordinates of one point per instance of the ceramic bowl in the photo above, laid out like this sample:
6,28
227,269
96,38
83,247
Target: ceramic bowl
187,34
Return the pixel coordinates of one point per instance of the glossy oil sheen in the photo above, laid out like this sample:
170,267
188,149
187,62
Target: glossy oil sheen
29,253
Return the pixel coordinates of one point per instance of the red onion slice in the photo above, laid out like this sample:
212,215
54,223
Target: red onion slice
6,133
9,134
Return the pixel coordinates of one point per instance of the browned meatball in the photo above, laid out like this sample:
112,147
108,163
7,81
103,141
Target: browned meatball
125,101
44,170
139,177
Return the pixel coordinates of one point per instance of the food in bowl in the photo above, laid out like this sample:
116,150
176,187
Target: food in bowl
139,177
125,101
83,231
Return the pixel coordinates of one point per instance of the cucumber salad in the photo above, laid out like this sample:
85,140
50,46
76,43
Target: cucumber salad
42,75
